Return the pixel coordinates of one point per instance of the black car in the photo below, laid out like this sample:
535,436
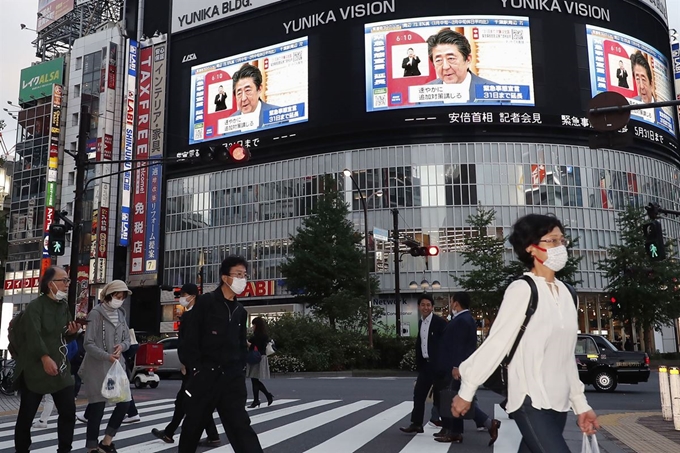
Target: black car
603,366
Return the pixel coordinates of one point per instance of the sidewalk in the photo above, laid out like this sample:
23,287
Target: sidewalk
9,405
641,432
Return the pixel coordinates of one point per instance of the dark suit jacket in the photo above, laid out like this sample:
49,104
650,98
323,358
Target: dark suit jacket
434,334
220,102
458,342
476,80
622,75
412,69
263,108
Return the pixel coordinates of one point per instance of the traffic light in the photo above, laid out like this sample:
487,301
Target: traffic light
57,239
614,306
430,250
654,245
239,153
236,153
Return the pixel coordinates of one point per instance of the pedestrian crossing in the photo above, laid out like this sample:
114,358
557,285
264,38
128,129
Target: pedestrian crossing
289,425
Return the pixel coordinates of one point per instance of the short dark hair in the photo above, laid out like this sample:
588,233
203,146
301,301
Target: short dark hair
463,299
638,59
190,289
529,230
410,48
448,36
47,277
230,262
246,71
260,326
425,296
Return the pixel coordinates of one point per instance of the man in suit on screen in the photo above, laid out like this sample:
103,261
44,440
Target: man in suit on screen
247,91
410,64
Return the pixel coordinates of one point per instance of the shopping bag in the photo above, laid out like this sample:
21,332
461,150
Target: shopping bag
589,444
270,348
116,386
254,357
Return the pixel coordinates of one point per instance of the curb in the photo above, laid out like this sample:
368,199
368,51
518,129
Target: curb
345,374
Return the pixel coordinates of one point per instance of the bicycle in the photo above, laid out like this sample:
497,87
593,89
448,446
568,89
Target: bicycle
7,377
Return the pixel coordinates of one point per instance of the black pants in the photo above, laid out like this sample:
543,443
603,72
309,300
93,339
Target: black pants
180,412
95,413
455,425
224,390
542,429
257,386
425,380
64,401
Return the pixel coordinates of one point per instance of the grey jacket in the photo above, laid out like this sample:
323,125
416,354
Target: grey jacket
100,339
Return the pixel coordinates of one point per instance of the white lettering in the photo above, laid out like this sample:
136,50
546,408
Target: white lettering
349,12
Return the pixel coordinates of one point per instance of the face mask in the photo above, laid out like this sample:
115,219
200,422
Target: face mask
60,295
238,285
116,303
557,258
184,302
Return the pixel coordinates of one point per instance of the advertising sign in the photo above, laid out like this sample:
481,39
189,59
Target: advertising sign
129,141
82,293
410,64
141,152
52,169
187,14
634,69
37,80
52,10
675,50
265,88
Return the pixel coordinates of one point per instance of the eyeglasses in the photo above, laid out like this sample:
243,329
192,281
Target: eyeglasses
64,280
555,242
239,275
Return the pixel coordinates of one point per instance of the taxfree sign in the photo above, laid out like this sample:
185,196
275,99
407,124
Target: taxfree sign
37,80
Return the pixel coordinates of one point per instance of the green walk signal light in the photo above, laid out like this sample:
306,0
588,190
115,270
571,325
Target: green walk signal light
57,239
654,244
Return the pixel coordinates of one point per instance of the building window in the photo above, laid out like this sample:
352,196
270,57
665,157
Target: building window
74,120
76,91
79,63
71,178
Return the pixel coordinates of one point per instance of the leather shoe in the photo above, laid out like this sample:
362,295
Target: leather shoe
412,429
493,431
450,438
442,433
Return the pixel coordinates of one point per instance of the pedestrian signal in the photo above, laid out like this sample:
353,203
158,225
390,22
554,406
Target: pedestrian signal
654,244
57,239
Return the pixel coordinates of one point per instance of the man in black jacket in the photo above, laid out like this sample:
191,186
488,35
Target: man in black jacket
214,353
430,328
187,298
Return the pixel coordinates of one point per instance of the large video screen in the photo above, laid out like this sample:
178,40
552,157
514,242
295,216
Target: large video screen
632,68
432,61
265,88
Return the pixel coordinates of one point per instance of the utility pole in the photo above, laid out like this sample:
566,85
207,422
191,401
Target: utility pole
81,168
395,245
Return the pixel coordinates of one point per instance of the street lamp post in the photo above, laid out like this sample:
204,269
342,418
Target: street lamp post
349,174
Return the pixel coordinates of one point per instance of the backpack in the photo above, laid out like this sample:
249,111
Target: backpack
15,334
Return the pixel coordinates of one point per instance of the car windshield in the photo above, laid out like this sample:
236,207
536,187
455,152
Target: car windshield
611,346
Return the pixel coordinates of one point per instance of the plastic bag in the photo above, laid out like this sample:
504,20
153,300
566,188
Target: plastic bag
270,348
116,386
589,444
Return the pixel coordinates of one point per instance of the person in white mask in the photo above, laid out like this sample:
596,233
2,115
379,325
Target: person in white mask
106,338
543,382
213,350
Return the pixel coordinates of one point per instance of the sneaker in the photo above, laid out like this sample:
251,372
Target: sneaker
481,428
160,433
434,424
39,424
133,419
107,448
81,417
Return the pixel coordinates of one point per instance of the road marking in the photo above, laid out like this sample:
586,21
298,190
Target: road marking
509,436
361,434
425,443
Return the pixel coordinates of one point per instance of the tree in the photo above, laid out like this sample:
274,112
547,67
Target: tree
647,290
328,268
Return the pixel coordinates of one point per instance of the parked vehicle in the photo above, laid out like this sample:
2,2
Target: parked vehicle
171,363
147,361
603,366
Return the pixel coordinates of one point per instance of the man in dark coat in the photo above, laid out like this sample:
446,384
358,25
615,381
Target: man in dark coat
430,328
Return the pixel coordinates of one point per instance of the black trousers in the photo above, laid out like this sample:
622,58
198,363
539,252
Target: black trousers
64,400
223,389
455,425
180,412
425,380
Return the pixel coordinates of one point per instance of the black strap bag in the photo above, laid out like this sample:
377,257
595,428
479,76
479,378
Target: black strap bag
446,399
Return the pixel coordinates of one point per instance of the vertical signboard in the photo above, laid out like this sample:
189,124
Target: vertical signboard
142,152
52,171
157,120
675,56
128,140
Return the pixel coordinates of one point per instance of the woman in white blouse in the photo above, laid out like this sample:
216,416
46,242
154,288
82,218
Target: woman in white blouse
543,381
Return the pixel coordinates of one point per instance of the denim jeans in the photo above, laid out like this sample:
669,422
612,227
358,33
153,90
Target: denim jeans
542,429
95,413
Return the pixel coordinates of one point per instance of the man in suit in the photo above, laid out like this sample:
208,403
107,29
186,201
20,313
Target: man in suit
459,341
430,328
410,64
247,90
221,100
622,75
642,73
451,55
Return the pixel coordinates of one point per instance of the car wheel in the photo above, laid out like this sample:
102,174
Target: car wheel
605,381
139,384
153,384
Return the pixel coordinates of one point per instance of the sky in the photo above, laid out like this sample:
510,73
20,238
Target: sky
16,51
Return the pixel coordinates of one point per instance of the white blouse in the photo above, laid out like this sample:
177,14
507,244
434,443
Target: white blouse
544,365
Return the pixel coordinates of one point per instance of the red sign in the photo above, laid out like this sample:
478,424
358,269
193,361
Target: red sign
18,284
36,282
108,147
9,284
103,231
27,283
259,288
138,207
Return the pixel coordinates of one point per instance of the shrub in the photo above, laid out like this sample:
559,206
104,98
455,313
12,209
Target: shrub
391,350
285,364
408,362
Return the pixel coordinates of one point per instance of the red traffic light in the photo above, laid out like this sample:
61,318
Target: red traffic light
613,299
239,153
432,250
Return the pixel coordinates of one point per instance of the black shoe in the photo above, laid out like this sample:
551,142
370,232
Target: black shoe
441,433
450,439
412,429
254,404
107,448
210,442
270,399
160,433
493,431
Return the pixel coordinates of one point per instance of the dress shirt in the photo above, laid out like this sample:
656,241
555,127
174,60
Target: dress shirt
424,334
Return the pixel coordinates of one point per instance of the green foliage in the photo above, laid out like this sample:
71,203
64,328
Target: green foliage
281,363
408,361
392,350
647,290
328,267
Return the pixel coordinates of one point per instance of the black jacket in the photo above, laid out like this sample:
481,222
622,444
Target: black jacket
458,342
437,326
215,335
261,342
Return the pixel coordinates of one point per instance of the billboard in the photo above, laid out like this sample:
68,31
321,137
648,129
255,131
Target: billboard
432,61
52,170
262,89
51,10
633,68
36,81
675,50
128,140
187,14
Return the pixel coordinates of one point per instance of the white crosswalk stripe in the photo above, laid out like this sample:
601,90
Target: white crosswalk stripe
319,426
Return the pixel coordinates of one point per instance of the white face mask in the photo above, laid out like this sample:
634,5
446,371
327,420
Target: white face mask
238,285
184,302
116,303
557,258
60,295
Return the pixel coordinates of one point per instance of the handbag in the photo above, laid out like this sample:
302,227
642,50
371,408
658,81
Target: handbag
254,357
446,400
270,348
